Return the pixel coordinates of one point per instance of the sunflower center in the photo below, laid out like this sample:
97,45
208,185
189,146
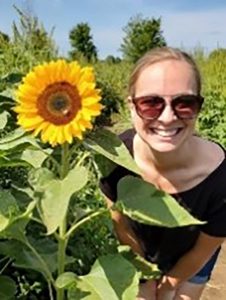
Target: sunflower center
59,103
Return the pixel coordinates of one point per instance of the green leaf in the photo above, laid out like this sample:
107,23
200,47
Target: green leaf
8,209
142,202
65,280
112,277
12,220
16,138
12,78
105,166
108,144
35,157
8,288
16,229
6,162
3,119
57,194
25,258
6,98
148,270
40,178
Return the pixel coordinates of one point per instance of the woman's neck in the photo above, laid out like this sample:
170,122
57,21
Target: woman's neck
165,161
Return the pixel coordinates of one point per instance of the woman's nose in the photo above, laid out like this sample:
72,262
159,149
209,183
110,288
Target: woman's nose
167,115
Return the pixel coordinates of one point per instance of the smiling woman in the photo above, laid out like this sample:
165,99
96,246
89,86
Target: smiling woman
165,100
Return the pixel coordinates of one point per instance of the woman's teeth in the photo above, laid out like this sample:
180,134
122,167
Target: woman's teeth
166,132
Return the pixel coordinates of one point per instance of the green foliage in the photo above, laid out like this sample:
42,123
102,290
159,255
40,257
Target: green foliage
132,195
113,78
218,54
141,35
30,43
212,120
112,102
111,147
4,39
110,59
82,43
104,277
8,288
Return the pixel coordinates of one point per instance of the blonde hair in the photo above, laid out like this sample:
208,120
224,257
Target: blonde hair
161,54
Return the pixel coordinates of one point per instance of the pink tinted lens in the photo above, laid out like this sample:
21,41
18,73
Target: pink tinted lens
187,106
150,107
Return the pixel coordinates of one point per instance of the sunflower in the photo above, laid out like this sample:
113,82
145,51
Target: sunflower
58,100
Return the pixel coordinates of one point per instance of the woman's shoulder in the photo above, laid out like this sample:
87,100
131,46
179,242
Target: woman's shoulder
213,159
127,137
210,153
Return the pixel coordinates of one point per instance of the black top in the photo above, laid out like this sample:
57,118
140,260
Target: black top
206,201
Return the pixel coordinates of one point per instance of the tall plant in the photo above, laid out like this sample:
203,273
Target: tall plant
57,102
29,44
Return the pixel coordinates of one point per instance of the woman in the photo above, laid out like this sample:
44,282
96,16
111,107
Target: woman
164,100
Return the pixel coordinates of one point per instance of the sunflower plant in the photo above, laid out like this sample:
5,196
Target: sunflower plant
54,107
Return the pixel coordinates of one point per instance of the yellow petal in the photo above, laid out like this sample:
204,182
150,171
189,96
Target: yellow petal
90,100
67,133
45,79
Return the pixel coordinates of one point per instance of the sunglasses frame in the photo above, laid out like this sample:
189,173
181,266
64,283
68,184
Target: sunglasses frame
174,102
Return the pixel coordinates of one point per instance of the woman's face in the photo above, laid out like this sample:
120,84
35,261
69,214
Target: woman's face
166,79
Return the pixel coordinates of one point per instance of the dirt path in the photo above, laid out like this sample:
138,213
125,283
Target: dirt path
216,289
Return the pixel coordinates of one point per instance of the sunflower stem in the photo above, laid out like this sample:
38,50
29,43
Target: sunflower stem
64,161
62,241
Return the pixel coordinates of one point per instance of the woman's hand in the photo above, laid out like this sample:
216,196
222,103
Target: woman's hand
147,290
166,289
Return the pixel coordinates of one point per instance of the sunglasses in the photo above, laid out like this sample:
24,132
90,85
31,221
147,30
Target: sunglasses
184,106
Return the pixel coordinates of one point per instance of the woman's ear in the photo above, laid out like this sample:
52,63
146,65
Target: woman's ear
131,106
130,102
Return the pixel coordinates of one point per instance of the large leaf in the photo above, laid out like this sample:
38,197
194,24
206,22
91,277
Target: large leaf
56,196
7,162
15,139
148,270
108,144
12,220
40,178
34,156
112,277
3,119
142,202
43,259
5,99
9,209
7,288
12,78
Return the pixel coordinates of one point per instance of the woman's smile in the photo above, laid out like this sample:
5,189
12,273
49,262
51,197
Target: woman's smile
171,132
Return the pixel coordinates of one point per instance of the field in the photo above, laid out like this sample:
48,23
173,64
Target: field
50,223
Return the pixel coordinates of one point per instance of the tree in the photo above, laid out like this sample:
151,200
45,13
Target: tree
112,59
82,42
142,34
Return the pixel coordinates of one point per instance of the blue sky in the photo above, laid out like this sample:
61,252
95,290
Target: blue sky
185,23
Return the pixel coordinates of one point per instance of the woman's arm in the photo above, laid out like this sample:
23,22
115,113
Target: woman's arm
190,263
124,233
126,236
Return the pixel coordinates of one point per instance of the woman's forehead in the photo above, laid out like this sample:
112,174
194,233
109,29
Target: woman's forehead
166,77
